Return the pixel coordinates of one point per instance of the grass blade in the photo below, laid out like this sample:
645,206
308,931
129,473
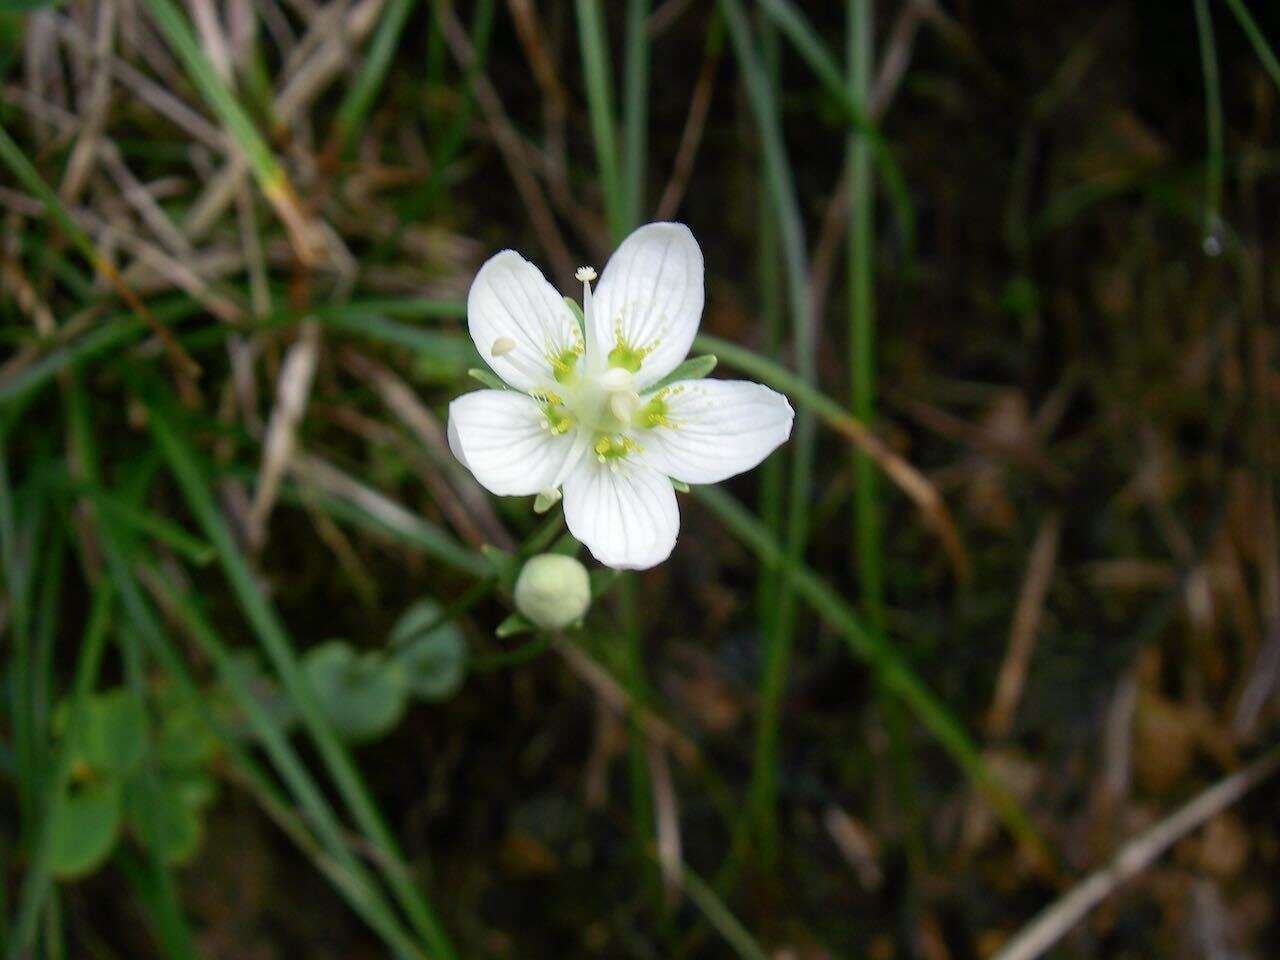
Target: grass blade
359,96
1260,45
38,881
13,157
275,641
808,44
904,475
635,111
1213,129
595,67
896,675
786,210
262,163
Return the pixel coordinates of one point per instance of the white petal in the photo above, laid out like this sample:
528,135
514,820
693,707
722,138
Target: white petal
719,428
455,445
628,519
651,292
511,303
498,435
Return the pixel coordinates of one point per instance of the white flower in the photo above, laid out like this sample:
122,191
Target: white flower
584,414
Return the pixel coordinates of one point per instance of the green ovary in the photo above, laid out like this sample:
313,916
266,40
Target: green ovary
613,448
564,365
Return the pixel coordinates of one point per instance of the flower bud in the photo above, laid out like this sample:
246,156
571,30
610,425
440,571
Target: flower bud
553,591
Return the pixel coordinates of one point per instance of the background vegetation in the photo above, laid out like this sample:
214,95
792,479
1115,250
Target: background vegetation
1005,611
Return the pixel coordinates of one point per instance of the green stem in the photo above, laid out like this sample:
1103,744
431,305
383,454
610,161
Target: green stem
595,67
786,210
359,96
1213,127
872,647
635,111
276,643
1260,46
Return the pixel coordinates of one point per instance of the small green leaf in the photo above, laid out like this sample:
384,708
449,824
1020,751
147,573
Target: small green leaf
505,565
513,626
185,740
433,653
695,368
576,309
161,813
362,695
84,828
114,732
489,379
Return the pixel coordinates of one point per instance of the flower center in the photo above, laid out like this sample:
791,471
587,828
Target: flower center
603,407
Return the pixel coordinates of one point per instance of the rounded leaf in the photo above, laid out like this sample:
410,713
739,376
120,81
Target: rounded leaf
185,741
113,732
432,654
362,695
161,815
84,828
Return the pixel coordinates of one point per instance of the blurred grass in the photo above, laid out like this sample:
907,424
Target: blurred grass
1047,342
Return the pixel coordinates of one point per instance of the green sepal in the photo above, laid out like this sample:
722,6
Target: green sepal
679,485
695,368
514,625
490,380
542,503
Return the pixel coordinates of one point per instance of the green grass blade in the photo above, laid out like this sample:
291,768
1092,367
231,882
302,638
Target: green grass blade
359,96
13,157
862,321
1213,128
271,177
154,525
276,643
336,860
635,111
1260,45
808,44
152,891
38,881
351,878
595,67
172,928
16,565
786,209
896,675
721,917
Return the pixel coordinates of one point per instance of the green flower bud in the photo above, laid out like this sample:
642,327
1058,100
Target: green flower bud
553,591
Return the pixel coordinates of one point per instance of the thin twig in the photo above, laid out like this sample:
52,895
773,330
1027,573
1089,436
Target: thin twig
1026,622
1052,923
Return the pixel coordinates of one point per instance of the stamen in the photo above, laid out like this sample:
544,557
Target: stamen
585,274
502,346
